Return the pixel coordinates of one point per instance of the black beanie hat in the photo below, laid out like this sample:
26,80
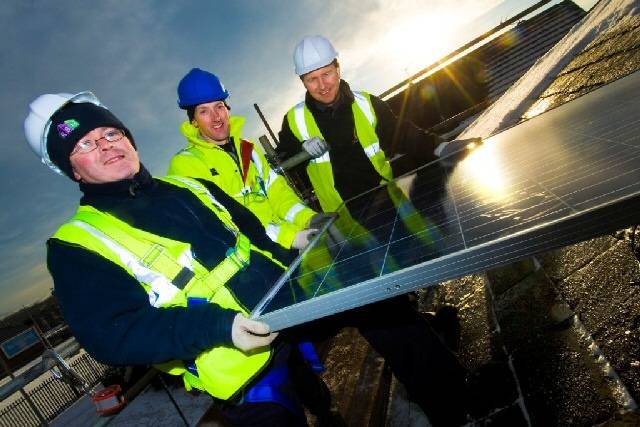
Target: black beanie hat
72,122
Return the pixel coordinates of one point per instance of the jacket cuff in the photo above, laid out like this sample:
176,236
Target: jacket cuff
304,217
224,321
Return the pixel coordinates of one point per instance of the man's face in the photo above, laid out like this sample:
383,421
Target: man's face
108,162
212,119
323,84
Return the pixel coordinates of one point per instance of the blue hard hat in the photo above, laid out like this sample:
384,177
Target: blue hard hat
198,87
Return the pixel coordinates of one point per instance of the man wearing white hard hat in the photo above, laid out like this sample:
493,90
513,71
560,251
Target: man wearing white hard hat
160,270
350,136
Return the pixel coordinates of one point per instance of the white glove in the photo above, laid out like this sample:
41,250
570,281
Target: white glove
447,148
247,334
315,146
303,238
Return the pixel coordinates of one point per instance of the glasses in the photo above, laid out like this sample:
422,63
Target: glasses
85,146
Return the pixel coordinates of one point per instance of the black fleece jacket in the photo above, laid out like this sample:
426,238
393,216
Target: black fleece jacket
352,170
108,310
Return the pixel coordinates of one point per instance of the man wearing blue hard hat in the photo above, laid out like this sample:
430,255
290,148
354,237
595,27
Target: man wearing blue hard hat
216,151
350,137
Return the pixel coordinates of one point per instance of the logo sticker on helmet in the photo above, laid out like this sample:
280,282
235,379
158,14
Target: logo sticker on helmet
68,126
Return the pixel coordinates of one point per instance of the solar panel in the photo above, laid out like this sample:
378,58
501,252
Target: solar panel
567,175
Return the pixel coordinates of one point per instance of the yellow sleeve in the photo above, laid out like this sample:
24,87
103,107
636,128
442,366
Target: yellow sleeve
287,204
283,199
185,163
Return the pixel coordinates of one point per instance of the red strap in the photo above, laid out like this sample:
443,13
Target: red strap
245,154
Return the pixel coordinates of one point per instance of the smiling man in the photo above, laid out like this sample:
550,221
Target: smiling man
93,165
217,152
161,270
351,135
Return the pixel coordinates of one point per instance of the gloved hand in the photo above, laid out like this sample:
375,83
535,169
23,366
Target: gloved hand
319,219
315,146
303,238
447,148
247,334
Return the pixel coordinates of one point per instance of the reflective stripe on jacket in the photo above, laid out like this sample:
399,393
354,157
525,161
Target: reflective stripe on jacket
303,126
170,275
264,192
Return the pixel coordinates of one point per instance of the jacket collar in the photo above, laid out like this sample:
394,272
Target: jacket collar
126,187
193,134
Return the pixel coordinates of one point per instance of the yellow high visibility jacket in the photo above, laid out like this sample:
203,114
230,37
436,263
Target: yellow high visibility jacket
156,262
303,126
262,191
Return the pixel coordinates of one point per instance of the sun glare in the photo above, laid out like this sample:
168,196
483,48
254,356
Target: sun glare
484,168
417,41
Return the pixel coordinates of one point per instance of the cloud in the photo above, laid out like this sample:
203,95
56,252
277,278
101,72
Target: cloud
132,55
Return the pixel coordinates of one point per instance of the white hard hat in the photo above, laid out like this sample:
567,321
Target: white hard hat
37,123
311,53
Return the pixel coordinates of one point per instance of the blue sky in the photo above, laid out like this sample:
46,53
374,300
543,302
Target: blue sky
132,54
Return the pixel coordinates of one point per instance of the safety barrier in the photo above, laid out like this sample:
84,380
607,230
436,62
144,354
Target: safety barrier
50,396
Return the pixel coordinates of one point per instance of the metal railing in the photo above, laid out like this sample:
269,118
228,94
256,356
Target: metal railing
59,386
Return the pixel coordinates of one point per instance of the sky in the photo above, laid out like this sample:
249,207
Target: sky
132,54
